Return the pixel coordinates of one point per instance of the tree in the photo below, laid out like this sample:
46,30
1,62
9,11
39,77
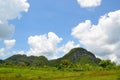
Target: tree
64,64
8,64
107,64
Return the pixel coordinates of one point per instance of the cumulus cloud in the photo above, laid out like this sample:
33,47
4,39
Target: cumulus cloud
103,39
44,45
40,45
89,3
68,46
9,43
6,51
47,45
9,10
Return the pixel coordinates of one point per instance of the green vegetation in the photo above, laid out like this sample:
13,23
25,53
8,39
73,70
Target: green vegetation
23,60
75,56
51,73
107,64
78,64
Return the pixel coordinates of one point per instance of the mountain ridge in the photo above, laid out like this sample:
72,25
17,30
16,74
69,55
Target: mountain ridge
75,55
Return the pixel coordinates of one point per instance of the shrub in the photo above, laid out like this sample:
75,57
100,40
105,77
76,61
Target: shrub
107,64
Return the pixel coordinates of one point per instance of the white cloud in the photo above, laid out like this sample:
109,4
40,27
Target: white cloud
13,7
47,45
6,30
103,39
40,45
68,46
89,3
6,51
9,10
44,45
9,43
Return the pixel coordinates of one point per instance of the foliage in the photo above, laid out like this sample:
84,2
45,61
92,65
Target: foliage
23,60
78,59
107,64
64,64
78,64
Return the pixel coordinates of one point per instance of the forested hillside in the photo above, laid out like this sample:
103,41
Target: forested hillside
74,56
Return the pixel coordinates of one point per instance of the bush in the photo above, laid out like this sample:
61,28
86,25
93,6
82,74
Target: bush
107,64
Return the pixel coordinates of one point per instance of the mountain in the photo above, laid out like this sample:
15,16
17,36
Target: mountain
76,55
28,61
80,55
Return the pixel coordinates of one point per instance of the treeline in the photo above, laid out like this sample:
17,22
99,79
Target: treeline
66,65
103,65
78,59
23,60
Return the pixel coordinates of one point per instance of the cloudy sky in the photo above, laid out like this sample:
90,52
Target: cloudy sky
53,27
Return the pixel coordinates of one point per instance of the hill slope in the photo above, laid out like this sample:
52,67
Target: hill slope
82,56
28,61
76,55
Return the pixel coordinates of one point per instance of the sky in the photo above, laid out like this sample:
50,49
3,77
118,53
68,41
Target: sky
53,27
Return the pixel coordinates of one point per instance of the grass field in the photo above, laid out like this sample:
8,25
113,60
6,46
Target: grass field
53,74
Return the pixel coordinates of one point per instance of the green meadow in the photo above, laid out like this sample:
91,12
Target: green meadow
50,73
78,64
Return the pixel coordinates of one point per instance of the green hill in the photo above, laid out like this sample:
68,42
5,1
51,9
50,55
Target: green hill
82,56
76,55
27,60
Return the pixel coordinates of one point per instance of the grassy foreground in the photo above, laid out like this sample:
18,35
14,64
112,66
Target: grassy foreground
54,74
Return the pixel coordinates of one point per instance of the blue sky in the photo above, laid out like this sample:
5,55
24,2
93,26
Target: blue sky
58,18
